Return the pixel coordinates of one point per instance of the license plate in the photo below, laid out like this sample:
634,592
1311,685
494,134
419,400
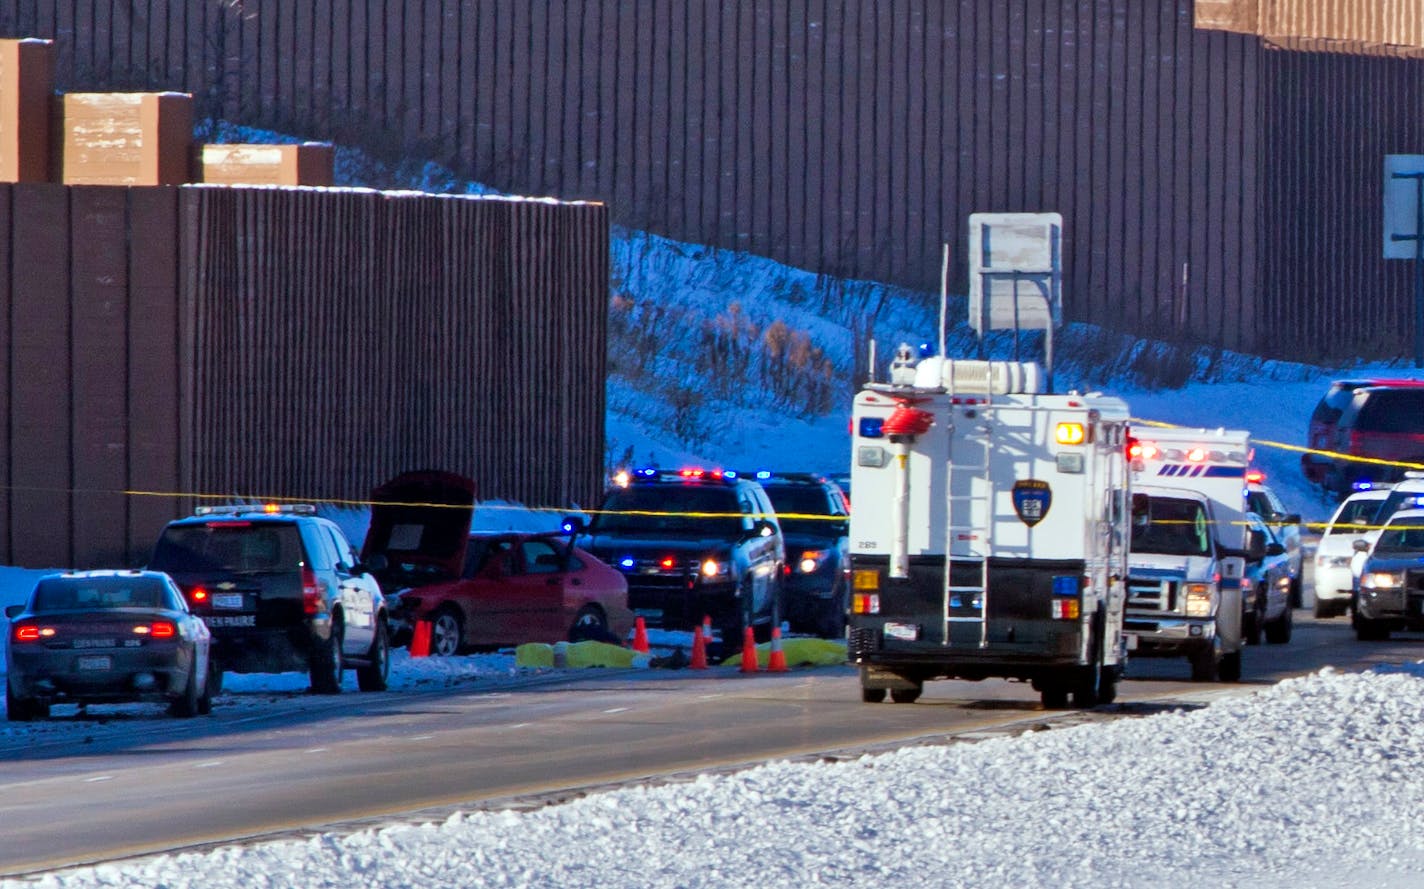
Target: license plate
96,662
240,620
227,600
902,632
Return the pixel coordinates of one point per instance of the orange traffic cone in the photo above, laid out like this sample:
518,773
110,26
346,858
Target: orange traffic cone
776,661
699,650
420,640
749,652
640,636
707,628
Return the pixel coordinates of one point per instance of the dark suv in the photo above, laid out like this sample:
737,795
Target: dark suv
1381,423
815,520
281,590
694,543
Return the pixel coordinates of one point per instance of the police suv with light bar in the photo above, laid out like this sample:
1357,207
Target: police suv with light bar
694,543
990,530
282,590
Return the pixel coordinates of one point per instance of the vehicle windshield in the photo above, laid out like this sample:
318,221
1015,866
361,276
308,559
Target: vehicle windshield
1354,517
670,510
1396,501
1176,528
228,546
797,506
1402,537
99,593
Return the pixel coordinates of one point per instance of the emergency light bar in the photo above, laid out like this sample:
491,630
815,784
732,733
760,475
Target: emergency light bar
268,508
1148,450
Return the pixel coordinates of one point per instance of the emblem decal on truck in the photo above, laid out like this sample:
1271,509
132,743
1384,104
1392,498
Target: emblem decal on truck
1031,500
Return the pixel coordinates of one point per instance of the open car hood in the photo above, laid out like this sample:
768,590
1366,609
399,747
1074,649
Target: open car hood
420,523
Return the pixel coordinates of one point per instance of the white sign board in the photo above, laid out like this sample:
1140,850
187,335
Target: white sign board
1401,204
1015,271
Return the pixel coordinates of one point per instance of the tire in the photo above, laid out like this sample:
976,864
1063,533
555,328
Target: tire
375,675
1251,623
215,676
1054,698
1229,669
871,695
1087,688
1204,665
906,695
590,625
1108,692
1322,610
23,709
1370,630
210,687
1278,632
326,666
447,633
1297,596
185,706
833,620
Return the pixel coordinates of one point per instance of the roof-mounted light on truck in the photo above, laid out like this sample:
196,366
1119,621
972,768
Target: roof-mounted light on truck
1255,476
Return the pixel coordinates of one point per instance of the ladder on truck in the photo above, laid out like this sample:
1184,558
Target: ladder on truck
979,500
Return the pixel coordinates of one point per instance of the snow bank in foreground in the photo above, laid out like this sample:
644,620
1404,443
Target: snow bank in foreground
1314,782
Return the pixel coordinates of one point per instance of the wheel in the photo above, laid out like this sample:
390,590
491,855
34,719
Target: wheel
590,624
215,676
1370,630
1204,665
1088,687
1297,597
1251,623
376,674
1322,610
211,684
1107,692
833,619
1278,632
1229,669
871,695
23,709
762,631
447,633
326,664
1054,697
186,705
906,695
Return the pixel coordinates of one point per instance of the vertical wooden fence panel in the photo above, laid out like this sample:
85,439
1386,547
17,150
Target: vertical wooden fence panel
98,371
41,456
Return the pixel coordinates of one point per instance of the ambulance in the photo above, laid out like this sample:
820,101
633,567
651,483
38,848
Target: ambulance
1190,544
990,532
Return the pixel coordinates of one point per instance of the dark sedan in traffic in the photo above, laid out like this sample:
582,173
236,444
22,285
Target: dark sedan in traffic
106,637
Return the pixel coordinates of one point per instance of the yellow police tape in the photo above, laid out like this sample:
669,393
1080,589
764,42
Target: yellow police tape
494,506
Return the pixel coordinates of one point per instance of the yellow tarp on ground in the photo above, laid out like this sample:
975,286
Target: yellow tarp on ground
799,653
577,654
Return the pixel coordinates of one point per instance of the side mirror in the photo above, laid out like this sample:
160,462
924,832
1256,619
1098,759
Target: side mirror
1275,549
1361,546
1141,510
14,611
1292,518
1256,545
372,564
572,525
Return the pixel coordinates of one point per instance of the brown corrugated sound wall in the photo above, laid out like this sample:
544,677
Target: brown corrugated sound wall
170,342
844,136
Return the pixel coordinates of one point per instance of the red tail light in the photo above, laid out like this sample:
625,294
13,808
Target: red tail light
311,593
159,629
26,633
197,594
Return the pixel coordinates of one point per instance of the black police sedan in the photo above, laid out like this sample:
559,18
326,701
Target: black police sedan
106,637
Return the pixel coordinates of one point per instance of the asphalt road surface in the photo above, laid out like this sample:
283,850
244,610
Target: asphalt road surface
84,793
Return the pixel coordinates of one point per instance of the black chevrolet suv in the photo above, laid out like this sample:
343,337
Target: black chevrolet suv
815,521
282,590
694,543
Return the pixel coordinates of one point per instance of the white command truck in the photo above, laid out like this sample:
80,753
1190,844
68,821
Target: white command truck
1189,548
989,532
